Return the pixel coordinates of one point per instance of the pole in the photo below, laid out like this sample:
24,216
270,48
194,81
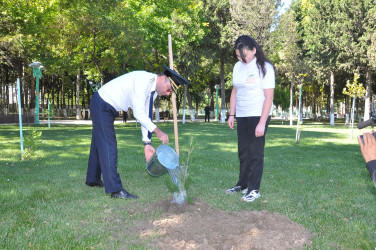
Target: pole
173,97
20,115
37,100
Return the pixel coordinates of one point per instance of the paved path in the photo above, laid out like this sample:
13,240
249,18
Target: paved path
117,121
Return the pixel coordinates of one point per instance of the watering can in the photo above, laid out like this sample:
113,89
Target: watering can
163,159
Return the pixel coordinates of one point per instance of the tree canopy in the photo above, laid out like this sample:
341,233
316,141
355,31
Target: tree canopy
87,41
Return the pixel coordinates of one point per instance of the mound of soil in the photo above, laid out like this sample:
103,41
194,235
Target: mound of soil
199,226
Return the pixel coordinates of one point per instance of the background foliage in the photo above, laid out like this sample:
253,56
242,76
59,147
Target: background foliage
96,40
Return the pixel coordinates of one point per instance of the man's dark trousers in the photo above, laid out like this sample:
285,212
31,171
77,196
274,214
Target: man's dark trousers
207,116
103,150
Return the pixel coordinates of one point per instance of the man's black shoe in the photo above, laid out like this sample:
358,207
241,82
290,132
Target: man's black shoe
95,184
374,178
123,195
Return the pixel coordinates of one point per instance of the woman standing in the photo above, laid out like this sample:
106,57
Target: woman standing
251,103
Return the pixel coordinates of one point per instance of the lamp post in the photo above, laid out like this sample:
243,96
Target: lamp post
37,73
217,87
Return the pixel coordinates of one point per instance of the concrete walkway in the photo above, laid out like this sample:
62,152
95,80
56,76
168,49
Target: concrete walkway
117,121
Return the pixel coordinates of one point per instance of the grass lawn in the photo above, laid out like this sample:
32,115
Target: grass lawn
321,183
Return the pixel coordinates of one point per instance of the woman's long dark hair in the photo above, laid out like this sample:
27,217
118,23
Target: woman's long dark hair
248,42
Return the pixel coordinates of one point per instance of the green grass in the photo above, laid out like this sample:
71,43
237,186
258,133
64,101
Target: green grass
322,184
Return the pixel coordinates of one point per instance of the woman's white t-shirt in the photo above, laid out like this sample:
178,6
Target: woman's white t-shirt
250,84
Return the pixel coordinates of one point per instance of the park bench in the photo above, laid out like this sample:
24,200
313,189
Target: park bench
165,115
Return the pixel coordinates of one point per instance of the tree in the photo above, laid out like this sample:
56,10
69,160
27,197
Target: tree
217,47
321,35
254,18
288,50
97,40
281,98
357,25
354,90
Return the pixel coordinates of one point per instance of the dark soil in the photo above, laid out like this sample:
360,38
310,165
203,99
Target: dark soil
199,226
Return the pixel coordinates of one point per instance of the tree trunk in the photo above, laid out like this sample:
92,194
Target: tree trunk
57,92
22,88
78,110
41,87
347,112
314,100
197,101
191,110
53,90
291,97
26,90
157,105
2,97
367,100
6,90
184,102
88,88
32,92
332,97
63,91
64,107
212,106
223,92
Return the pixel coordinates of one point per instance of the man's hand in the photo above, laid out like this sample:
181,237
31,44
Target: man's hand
149,151
368,149
161,135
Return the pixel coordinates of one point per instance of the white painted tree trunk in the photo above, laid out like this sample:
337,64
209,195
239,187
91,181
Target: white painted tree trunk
157,116
291,99
223,115
367,99
192,112
332,98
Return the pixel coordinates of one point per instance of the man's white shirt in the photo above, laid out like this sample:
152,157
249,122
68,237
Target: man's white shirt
132,90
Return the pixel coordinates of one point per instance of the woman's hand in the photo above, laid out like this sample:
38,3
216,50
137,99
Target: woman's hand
230,121
260,129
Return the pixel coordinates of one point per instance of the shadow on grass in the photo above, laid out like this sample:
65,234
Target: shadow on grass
320,183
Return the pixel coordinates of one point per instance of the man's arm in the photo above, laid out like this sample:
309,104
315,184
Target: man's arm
141,94
149,150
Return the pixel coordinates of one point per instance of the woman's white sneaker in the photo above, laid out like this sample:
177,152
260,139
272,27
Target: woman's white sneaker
251,196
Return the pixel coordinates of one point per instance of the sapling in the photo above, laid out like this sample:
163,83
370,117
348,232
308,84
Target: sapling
32,141
179,180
